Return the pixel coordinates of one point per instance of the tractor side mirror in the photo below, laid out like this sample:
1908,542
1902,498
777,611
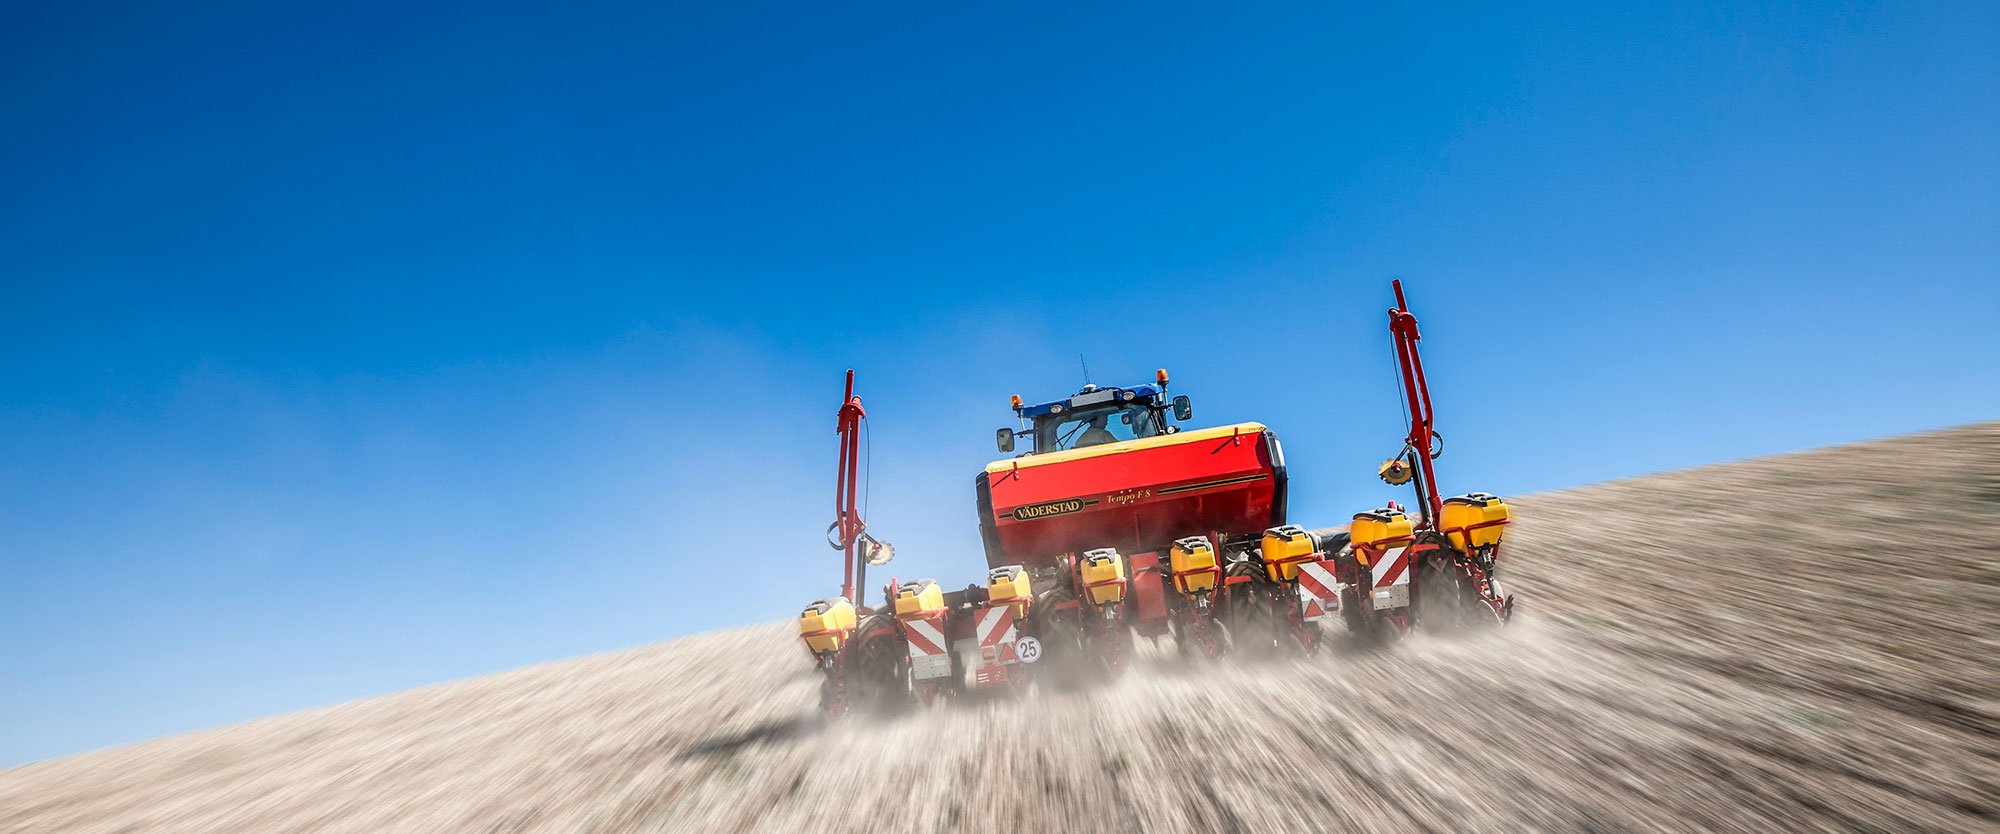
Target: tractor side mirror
1183,409
1004,438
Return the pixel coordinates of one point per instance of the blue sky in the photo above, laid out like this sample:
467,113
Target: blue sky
354,347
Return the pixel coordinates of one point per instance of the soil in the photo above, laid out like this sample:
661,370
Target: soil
1803,642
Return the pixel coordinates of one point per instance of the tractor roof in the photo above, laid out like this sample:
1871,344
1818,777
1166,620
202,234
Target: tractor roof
1089,396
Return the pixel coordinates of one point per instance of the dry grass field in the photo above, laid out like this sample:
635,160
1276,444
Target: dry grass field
1804,642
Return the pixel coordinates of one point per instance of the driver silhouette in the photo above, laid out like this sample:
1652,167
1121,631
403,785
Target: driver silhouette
1096,434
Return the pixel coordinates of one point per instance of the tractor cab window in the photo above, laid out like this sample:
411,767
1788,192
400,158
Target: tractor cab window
1095,426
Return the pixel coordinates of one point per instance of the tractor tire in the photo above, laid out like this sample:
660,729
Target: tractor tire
1447,601
877,674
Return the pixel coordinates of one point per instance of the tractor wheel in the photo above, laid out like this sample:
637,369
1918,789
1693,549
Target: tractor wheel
1351,612
877,675
1447,601
1434,597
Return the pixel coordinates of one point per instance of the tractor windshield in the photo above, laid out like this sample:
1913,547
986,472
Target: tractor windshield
1095,426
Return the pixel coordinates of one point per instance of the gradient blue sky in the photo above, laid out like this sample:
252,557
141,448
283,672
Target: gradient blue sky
350,347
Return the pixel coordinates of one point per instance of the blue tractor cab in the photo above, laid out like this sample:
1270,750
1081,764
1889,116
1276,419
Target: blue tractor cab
1094,416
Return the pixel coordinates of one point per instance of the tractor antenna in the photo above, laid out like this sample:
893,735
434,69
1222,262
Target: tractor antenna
1086,368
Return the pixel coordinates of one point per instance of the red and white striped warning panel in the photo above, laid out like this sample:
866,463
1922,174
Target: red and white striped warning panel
1390,573
927,655
1319,591
996,634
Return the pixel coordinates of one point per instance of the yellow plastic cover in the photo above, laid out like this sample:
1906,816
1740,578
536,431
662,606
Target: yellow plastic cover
921,598
1284,549
1461,514
826,624
1103,575
1009,584
1193,561
1375,529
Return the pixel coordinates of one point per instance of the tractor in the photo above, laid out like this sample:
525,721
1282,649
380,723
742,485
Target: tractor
1120,522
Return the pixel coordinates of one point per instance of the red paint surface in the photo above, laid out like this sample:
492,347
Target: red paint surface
1133,506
